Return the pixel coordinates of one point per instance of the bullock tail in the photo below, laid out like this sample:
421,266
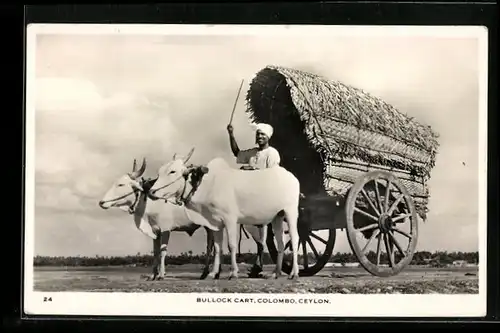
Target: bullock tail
242,231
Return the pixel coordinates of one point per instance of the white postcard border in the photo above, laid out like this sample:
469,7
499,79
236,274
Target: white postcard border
170,304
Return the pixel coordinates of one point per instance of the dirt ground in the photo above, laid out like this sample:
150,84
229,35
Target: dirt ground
185,278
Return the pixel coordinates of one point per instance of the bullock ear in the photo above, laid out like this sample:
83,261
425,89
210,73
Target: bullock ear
187,171
137,186
203,169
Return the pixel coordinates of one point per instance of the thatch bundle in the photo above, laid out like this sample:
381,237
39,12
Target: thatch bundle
329,133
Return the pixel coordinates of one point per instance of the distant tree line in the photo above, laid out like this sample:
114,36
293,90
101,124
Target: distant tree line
419,258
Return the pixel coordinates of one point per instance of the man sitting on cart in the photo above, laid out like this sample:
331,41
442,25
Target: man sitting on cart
261,157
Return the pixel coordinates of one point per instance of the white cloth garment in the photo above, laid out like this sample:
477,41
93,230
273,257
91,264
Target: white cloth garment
259,159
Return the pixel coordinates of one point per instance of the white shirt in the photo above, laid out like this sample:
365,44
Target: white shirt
259,159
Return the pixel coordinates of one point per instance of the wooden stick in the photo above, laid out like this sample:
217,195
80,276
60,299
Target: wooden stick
235,102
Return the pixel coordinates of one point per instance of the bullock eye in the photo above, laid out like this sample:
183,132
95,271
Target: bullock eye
173,171
120,185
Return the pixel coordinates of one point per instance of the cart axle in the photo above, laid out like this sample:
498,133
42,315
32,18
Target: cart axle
385,223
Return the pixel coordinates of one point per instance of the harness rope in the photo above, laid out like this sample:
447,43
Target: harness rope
131,208
180,200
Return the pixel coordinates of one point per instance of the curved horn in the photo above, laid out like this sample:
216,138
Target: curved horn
138,173
134,166
189,155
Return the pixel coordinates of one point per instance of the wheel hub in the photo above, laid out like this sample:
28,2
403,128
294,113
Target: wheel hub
385,223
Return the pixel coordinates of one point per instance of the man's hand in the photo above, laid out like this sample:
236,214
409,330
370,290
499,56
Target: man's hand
230,129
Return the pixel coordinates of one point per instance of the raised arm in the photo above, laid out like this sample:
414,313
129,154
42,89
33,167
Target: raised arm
232,141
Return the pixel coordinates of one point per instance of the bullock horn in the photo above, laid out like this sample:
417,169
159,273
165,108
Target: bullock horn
189,155
134,166
135,174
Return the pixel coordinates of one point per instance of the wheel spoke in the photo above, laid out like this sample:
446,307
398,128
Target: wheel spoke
379,248
402,233
401,217
318,238
398,246
374,235
377,195
388,250
304,254
395,203
387,194
368,227
313,248
365,214
391,246
370,202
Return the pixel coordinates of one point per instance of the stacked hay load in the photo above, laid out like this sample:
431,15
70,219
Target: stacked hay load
329,134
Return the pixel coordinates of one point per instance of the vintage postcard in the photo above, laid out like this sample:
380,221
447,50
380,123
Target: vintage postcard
192,170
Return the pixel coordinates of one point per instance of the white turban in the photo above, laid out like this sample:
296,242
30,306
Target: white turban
266,129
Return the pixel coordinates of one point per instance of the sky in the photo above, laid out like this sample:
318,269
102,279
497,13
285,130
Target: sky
103,100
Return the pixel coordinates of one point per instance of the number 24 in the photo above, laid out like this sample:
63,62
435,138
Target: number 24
47,299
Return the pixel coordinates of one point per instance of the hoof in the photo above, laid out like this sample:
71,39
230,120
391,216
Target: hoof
293,277
233,276
153,277
214,276
204,274
275,276
257,276
255,272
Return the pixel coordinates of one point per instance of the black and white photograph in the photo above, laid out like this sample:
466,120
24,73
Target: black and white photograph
253,170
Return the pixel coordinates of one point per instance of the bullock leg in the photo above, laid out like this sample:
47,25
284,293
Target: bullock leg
210,247
259,235
163,253
218,237
291,216
232,241
277,225
156,258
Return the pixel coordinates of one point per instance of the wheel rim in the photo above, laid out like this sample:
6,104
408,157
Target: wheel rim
382,225
310,240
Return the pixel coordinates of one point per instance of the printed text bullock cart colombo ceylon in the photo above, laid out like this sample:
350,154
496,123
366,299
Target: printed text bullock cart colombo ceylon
363,166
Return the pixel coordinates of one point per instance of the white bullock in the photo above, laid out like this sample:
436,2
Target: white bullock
228,197
154,219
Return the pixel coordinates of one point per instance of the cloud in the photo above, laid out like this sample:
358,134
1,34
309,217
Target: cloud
66,94
115,98
60,198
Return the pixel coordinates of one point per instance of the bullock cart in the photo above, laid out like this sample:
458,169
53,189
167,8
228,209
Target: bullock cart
363,167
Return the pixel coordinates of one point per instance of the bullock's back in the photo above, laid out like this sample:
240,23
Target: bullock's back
276,185
222,181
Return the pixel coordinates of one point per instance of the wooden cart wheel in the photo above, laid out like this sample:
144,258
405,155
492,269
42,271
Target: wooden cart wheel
380,210
305,244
